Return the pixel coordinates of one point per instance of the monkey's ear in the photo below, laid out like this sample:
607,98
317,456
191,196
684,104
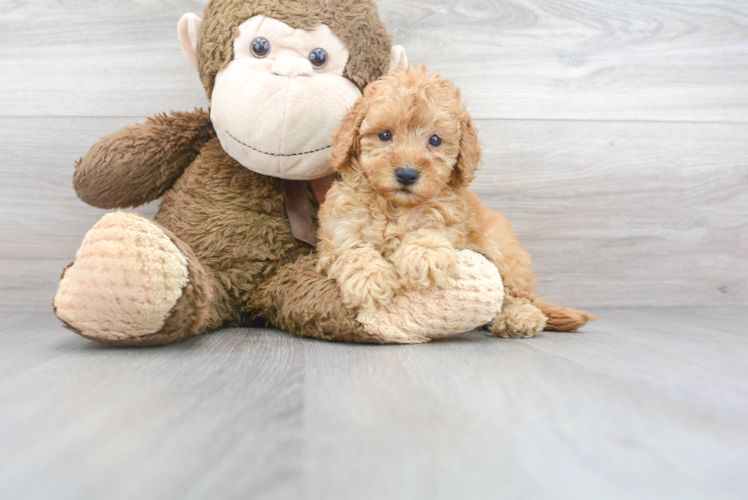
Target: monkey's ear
188,31
469,158
398,58
346,141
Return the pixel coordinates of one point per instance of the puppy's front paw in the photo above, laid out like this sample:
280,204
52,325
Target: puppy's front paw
370,286
422,266
518,319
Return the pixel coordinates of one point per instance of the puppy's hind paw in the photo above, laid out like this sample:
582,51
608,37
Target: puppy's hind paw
421,266
518,319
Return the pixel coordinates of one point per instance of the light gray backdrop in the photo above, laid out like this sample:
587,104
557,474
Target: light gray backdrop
615,131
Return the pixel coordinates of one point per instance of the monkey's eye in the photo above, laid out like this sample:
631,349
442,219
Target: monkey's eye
318,58
385,136
260,47
435,141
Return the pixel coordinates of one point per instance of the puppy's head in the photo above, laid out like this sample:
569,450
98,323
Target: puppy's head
409,137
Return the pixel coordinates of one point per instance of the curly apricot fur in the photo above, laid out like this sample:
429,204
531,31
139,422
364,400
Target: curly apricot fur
413,231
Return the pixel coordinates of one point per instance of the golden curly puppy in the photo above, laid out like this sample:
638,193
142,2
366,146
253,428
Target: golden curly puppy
407,152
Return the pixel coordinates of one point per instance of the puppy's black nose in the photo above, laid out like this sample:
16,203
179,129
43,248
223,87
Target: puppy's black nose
406,176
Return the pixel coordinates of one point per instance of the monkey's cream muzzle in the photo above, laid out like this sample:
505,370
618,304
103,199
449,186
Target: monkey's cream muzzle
276,114
292,66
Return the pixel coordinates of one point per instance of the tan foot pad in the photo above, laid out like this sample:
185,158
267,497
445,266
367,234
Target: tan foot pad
126,278
472,299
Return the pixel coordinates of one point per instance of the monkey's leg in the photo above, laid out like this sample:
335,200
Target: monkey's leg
302,301
134,283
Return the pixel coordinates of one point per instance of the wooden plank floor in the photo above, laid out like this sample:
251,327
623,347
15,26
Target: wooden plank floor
647,403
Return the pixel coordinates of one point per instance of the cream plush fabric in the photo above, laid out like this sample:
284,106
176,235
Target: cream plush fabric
275,115
127,277
472,299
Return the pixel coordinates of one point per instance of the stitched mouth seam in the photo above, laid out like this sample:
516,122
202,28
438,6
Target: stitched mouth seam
276,154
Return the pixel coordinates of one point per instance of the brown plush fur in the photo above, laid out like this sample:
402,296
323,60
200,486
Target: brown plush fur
355,22
296,300
378,236
235,221
244,266
199,309
149,157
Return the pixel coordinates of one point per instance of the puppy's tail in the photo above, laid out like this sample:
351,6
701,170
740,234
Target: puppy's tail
563,319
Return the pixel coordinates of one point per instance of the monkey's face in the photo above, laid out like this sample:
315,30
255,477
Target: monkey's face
276,104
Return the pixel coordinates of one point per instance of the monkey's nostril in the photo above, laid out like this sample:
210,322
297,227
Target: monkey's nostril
407,176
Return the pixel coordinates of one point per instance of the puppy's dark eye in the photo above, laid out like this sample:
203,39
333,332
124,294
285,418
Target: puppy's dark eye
385,136
318,58
260,47
435,141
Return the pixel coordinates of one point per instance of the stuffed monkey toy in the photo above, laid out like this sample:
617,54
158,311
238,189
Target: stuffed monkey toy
233,241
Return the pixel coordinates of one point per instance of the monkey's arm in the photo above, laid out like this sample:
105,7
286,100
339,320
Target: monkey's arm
139,163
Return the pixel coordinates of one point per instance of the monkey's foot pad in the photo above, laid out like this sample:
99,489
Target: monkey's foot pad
126,278
472,299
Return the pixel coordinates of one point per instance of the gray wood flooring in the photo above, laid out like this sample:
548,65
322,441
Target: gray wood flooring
646,404
616,140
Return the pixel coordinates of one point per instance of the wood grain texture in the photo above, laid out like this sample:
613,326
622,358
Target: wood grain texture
644,404
616,140
105,58
530,59
625,214
633,214
615,212
42,221
584,59
145,423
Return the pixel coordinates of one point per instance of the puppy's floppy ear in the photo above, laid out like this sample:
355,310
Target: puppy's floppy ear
470,155
346,142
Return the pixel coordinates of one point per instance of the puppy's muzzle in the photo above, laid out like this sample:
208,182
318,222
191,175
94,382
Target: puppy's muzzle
407,176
